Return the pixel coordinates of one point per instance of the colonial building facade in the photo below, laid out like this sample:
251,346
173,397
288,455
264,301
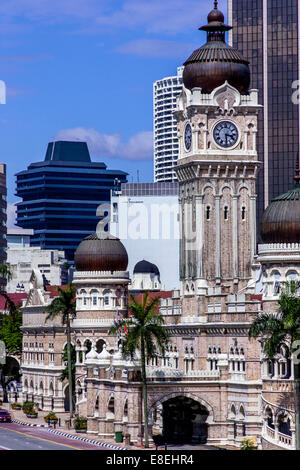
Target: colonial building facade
213,385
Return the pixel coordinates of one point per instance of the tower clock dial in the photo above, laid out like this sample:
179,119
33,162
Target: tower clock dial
188,137
225,134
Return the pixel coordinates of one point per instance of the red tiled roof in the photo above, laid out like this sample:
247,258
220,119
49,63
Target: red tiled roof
153,295
53,290
16,298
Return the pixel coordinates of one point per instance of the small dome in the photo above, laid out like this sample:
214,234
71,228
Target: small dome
215,16
101,252
145,267
118,357
104,356
92,354
281,220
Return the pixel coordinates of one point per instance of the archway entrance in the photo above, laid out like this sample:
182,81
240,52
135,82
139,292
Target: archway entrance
184,421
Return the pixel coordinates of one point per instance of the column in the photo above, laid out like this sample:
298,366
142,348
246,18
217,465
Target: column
218,238
253,225
235,239
199,235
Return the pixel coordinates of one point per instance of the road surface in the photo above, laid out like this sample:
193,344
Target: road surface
17,437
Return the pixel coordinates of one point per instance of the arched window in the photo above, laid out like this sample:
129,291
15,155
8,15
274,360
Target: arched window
125,414
208,212
99,345
226,212
107,298
243,212
97,407
111,409
84,297
276,282
94,295
242,412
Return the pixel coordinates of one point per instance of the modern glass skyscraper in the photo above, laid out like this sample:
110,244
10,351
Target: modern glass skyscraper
60,196
266,32
165,92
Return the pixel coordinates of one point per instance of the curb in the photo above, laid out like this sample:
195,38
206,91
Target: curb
70,436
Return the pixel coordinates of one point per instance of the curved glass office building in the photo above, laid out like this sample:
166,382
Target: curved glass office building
60,196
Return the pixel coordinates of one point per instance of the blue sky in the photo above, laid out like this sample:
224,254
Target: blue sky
84,69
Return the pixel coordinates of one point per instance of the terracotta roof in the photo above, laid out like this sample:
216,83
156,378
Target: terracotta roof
54,290
154,295
17,298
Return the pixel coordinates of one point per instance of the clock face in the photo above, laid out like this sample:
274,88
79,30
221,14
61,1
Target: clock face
226,134
188,137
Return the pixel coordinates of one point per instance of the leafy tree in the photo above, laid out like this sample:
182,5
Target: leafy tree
281,327
144,332
65,306
10,332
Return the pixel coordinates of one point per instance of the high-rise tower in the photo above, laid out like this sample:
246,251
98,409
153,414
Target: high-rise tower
165,93
61,195
267,32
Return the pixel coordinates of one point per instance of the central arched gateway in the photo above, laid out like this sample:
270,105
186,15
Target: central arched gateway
184,421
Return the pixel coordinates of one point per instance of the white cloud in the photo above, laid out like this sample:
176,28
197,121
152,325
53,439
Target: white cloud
37,10
156,48
169,16
137,147
155,16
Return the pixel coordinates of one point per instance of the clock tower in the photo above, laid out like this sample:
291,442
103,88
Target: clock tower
217,166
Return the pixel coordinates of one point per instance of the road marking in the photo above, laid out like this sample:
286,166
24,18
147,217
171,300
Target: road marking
4,448
41,439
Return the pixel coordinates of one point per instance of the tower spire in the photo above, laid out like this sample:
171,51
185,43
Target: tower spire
216,4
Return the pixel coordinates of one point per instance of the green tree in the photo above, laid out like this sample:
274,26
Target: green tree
280,327
144,332
10,331
65,306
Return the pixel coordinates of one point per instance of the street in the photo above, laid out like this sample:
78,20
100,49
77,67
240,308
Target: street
17,437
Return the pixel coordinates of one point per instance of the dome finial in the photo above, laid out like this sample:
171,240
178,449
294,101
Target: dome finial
216,4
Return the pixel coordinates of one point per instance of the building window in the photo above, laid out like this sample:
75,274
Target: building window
106,298
243,213
207,212
226,212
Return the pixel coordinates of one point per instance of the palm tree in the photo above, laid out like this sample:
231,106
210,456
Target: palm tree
280,327
144,333
65,306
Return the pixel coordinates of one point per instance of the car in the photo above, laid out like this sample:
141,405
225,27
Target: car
5,416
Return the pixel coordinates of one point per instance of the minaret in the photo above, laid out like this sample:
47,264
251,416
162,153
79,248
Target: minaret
217,165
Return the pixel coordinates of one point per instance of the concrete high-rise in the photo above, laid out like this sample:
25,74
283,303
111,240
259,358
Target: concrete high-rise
267,34
165,93
60,196
3,216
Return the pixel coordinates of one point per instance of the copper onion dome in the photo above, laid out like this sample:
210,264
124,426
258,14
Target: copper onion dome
281,220
216,62
101,252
